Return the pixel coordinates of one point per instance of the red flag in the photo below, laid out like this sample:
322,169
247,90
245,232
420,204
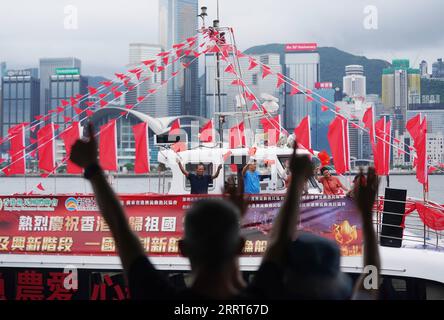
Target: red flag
206,132
418,131
149,62
69,137
280,80
108,146
309,98
142,163
230,69
40,187
237,136
294,88
64,103
369,124
175,128
265,71
46,148
253,64
254,107
338,139
324,108
16,150
92,91
250,96
272,129
303,133
238,82
382,148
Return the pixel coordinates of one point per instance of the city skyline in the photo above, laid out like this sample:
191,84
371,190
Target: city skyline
106,30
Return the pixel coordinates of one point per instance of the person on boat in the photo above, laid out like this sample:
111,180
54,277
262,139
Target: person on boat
211,240
251,178
199,181
331,185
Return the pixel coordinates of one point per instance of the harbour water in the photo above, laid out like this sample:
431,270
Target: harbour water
156,184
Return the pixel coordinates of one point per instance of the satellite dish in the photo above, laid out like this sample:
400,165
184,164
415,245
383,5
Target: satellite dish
270,103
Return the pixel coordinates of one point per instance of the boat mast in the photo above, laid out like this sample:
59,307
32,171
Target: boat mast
221,121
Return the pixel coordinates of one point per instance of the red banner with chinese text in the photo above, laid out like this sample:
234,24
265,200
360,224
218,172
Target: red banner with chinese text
72,225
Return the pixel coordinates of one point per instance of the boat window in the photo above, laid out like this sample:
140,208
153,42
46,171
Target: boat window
192,167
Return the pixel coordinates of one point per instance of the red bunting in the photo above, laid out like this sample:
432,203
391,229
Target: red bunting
73,101
432,169
238,82
59,110
280,80
160,68
186,65
149,62
89,113
108,146
92,91
89,104
173,74
142,163
129,106
40,187
338,139
324,108
67,119
106,83
254,107
165,60
69,137
323,100
249,96
103,103
309,98
303,133
237,136
152,91
253,64
206,133
64,103
121,76
178,45
140,99
46,148
163,54
230,69
117,94
294,88
78,111
266,71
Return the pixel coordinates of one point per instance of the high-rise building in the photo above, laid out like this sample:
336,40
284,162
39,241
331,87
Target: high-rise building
178,21
354,82
63,84
423,68
302,63
48,68
320,121
156,105
438,69
401,86
230,101
20,100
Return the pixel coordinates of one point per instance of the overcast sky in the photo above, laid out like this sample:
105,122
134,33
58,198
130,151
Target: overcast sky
31,29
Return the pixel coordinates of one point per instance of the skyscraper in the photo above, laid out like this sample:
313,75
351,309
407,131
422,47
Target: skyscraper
401,86
438,69
48,68
20,99
302,63
354,82
178,21
423,67
320,121
156,105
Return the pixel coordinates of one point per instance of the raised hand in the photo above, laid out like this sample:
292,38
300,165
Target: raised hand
366,190
301,167
84,152
237,197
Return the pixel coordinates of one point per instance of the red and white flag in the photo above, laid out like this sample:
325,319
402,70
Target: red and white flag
108,146
142,163
338,138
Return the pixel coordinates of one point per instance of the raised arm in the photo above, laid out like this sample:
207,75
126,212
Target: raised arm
84,154
365,193
217,172
285,224
245,169
185,172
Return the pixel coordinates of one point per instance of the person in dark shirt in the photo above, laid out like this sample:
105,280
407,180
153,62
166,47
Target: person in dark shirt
211,241
199,181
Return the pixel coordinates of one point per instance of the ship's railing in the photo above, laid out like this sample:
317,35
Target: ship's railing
414,232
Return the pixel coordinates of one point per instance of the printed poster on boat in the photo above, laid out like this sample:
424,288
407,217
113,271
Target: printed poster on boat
72,225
